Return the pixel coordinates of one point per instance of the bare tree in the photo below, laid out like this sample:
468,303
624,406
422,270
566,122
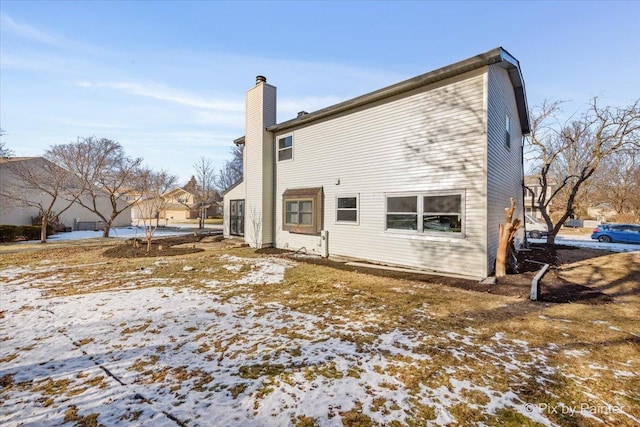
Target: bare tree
569,154
205,194
617,183
4,151
38,183
152,185
105,171
231,172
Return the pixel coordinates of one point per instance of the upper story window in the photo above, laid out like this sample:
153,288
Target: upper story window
347,209
285,148
442,213
507,129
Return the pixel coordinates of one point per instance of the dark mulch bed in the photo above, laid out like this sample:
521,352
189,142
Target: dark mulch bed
552,288
137,248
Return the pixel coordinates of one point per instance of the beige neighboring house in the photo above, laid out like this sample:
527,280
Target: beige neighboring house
76,217
417,174
180,205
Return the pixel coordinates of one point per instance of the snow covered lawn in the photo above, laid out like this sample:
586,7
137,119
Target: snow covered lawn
585,241
230,339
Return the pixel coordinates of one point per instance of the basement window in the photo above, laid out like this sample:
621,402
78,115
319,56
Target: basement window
285,148
302,210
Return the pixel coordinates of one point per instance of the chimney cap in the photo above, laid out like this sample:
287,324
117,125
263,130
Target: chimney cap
261,79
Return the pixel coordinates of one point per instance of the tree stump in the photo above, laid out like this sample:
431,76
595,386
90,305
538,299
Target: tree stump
505,239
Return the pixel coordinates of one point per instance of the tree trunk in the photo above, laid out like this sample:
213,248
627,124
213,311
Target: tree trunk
551,238
43,229
105,230
505,239
503,249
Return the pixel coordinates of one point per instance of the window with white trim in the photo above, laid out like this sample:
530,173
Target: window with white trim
402,212
347,209
442,213
285,148
426,212
507,129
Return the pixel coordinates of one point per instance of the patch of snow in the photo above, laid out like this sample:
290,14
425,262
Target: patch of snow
576,353
119,232
585,241
623,374
199,355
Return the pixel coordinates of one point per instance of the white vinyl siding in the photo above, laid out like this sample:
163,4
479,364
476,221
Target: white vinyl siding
504,166
258,173
425,141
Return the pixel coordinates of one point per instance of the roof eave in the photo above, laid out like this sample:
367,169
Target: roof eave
494,56
232,186
512,65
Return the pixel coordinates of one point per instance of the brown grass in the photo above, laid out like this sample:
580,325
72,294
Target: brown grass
605,336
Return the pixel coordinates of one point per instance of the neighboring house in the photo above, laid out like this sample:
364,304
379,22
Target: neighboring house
417,174
533,189
76,217
602,212
181,204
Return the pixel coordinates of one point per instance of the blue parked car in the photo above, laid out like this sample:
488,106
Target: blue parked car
625,233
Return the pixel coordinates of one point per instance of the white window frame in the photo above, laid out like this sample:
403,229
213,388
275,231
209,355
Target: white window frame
386,212
507,130
279,150
357,209
420,214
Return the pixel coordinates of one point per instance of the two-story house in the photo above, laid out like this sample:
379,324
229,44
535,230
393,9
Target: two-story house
416,174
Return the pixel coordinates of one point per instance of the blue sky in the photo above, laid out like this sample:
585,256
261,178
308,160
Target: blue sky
167,79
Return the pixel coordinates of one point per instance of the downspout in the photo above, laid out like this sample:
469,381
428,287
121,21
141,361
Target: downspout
273,191
524,206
